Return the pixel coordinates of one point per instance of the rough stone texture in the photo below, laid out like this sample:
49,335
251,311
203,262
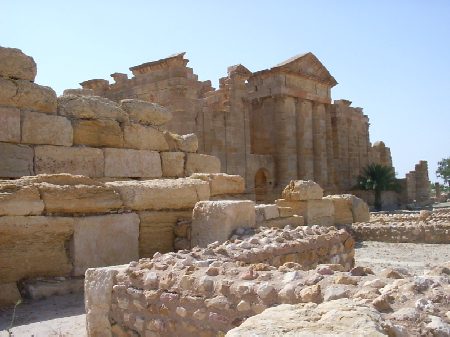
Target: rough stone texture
216,220
145,112
73,160
105,240
35,97
294,221
9,294
360,210
40,128
90,107
15,64
184,143
302,190
33,246
132,163
266,212
161,193
9,125
201,163
319,212
343,205
341,317
222,183
16,160
45,288
19,200
97,133
78,92
172,164
144,138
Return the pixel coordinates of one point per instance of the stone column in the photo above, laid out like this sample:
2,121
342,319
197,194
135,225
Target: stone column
319,137
305,160
329,151
411,186
422,182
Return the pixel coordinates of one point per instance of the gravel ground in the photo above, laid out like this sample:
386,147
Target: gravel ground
63,316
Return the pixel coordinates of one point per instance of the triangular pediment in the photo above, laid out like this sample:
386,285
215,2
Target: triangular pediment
307,65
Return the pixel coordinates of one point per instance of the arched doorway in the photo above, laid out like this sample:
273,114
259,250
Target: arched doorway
261,185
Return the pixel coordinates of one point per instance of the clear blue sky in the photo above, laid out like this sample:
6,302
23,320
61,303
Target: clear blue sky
390,57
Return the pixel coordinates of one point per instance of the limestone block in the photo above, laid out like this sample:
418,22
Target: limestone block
360,210
90,107
298,207
35,97
156,233
161,194
79,92
74,160
132,163
34,246
302,190
293,221
17,65
144,138
79,198
105,240
9,125
222,183
201,163
16,160
342,208
40,128
266,212
216,220
172,164
184,143
19,200
9,294
146,113
319,212
286,211
97,133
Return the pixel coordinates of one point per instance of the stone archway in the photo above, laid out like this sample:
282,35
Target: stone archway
261,185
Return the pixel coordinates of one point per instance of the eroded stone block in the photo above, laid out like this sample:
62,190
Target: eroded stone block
266,212
9,125
144,138
146,113
17,65
302,190
319,212
97,133
201,163
40,128
19,200
35,97
16,160
222,183
184,143
342,208
172,164
132,163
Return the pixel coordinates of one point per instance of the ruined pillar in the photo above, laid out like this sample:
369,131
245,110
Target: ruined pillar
305,160
319,141
329,151
422,182
411,186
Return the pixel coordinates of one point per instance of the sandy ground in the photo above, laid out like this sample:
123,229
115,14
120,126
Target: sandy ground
63,316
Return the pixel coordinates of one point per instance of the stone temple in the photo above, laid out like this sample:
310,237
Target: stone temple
269,126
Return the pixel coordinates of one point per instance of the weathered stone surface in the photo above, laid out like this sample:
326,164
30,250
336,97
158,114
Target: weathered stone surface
161,194
222,183
40,128
302,190
79,198
39,289
146,113
172,164
319,212
144,138
9,294
33,246
74,160
9,125
78,92
201,163
294,221
35,97
184,143
97,133
132,163
286,211
17,65
342,208
266,212
105,240
90,107
19,200
360,210
156,232
216,220
342,317
16,160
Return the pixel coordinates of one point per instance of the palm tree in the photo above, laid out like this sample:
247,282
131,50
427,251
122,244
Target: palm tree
377,178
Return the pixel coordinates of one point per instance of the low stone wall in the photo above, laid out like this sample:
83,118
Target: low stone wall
210,290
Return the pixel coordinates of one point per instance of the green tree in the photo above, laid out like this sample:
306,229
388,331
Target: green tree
377,178
443,170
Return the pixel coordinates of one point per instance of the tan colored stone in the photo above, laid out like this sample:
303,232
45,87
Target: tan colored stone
156,231
9,125
34,246
172,164
40,128
146,113
302,190
294,221
319,212
17,65
79,198
299,207
90,107
75,160
105,240
35,97
132,163
78,92
216,220
144,138
201,163
222,183
266,212
360,210
184,143
286,211
16,160
161,194
342,208
9,294
97,133
19,200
